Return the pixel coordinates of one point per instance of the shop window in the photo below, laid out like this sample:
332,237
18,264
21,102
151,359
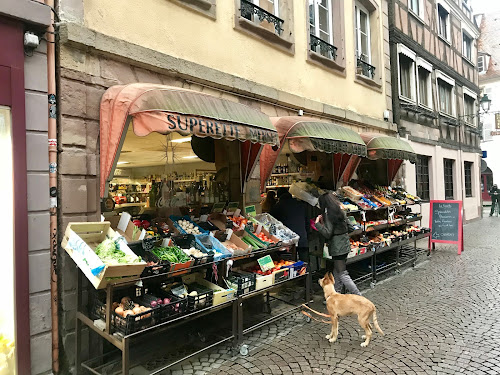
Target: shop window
445,94
416,7
422,177
321,28
407,87
363,48
443,22
448,179
469,109
468,178
467,46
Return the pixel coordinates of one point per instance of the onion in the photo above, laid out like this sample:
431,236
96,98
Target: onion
159,301
154,303
166,301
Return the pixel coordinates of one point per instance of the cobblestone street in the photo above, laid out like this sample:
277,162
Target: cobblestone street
441,317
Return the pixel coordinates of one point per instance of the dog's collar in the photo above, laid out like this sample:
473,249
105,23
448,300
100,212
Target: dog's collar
328,297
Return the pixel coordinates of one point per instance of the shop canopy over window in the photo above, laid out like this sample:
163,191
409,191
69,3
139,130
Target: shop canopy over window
308,134
164,109
393,149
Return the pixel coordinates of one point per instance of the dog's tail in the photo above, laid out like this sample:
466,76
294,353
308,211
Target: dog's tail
375,322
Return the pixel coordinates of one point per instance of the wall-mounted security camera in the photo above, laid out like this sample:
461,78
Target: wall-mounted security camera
386,115
31,41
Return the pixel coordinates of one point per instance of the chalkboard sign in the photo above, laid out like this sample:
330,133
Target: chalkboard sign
446,223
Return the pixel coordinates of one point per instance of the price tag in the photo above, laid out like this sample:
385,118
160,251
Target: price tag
166,242
142,235
237,212
266,263
229,233
211,234
203,218
124,220
259,228
250,211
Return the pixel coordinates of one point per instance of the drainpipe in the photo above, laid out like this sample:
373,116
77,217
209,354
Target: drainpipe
52,135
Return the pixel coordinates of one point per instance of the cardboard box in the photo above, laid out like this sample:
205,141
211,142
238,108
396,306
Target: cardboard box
221,296
123,225
80,241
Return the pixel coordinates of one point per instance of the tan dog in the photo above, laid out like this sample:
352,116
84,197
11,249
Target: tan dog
348,304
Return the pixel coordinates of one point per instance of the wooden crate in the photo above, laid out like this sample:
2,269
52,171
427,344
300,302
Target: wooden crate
92,234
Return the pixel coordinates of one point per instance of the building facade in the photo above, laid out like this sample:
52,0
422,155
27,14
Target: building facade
281,57
489,83
435,93
25,266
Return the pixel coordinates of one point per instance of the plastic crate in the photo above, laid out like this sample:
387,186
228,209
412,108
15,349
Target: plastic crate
176,308
215,244
132,323
178,227
203,299
171,267
242,283
187,241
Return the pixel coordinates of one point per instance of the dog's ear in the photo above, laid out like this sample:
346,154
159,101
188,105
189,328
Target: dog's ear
330,277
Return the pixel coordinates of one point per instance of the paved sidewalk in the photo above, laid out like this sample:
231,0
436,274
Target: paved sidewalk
442,317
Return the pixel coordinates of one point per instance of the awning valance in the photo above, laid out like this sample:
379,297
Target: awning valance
382,146
308,134
164,109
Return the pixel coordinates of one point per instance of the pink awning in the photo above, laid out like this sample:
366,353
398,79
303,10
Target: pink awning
164,109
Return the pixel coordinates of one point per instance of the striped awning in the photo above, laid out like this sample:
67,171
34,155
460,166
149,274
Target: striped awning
381,146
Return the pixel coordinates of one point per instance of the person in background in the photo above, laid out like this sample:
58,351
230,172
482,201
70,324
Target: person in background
269,202
293,214
495,195
332,225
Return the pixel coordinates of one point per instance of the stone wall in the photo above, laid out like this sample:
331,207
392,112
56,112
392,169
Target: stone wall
35,82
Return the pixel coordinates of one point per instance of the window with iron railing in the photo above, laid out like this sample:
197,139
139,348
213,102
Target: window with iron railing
321,28
263,12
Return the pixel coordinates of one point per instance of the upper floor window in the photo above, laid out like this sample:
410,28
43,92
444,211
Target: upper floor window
263,12
417,7
470,98
424,70
321,28
467,46
466,8
406,61
363,51
481,64
443,22
445,94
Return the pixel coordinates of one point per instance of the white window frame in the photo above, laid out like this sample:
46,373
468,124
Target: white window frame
420,12
483,59
316,5
471,94
402,49
359,7
464,54
275,3
421,63
448,23
441,76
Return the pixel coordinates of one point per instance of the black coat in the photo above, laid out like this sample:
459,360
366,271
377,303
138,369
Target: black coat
494,194
335,236
293,214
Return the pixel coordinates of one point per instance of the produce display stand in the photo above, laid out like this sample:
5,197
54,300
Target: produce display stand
405,250
237,331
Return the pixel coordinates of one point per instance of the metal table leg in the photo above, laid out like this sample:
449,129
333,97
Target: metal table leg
125,356
308,287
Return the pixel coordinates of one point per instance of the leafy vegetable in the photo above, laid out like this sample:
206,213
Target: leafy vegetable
171,254
109,252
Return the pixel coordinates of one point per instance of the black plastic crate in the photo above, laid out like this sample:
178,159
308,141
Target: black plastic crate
187,241
242,283
131,323
176,308
203,299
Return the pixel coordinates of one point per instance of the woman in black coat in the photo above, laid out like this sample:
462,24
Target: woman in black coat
332,225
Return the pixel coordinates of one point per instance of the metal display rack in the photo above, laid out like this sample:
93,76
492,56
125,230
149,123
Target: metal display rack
237,330
404,252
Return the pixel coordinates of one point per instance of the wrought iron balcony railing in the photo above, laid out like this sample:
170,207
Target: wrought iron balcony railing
366,69
248,9
325,49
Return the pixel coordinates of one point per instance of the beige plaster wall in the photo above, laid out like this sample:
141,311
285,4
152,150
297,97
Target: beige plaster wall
166,27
